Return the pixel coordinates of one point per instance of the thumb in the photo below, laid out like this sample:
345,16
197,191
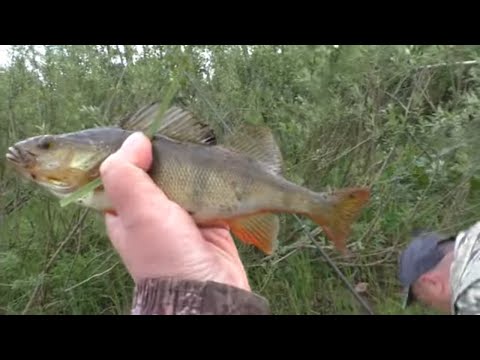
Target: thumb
126,183
116,232
137,150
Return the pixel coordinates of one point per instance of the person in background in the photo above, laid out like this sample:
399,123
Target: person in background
443,272
177,267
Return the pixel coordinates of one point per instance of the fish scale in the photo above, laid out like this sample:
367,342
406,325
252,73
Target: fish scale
198,183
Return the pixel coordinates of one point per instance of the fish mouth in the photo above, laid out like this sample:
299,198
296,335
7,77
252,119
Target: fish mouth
13,154
20,157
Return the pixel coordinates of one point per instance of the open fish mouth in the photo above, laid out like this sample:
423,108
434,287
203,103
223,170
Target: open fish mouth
13,154
19,157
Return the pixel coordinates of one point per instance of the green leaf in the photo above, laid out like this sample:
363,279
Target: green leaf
83,191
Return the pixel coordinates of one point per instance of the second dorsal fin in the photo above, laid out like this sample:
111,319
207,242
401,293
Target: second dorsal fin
258,143
177,123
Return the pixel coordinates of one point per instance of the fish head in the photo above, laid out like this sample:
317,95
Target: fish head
65,162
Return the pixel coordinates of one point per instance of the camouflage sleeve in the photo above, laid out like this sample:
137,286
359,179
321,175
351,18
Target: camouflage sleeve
465,273
186,297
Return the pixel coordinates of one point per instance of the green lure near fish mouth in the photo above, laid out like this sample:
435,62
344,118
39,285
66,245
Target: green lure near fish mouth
238,181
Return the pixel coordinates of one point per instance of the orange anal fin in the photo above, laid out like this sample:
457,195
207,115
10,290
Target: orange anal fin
214,224
260,230
346,207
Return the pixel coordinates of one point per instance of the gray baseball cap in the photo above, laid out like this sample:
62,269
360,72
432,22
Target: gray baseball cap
422,254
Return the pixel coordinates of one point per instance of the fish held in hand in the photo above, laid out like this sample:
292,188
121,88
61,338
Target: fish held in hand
238,181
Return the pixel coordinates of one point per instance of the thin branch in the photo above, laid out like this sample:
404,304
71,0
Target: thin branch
348,151
200,94
92,277
52,259
106,114
17,203
337,270
467,62
285,256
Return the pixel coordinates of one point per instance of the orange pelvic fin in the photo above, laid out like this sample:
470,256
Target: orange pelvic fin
337,219
260,230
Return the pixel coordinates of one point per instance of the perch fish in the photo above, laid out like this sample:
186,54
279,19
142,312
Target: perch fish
238,181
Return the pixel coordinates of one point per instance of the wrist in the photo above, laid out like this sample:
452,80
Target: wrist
239,281
231,273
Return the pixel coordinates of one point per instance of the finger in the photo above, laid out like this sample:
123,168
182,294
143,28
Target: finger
126,183
221,239
137,150
115,231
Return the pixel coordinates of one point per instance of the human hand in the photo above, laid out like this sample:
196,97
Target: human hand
154,236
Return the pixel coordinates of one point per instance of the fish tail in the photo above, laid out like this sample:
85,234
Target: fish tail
337,216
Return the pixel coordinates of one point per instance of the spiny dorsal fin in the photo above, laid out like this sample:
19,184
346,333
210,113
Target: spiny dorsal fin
142,119
182,125
258,143
177,123
260,230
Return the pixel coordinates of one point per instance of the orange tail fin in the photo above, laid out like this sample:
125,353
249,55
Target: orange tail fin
337,219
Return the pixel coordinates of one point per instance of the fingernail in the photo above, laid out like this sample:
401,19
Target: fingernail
132,142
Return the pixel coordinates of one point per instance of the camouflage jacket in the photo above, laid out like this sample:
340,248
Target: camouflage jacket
465,272
185,297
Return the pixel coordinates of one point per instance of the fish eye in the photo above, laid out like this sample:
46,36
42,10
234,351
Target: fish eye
45,143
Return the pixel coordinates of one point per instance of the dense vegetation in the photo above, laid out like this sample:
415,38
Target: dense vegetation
402,119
